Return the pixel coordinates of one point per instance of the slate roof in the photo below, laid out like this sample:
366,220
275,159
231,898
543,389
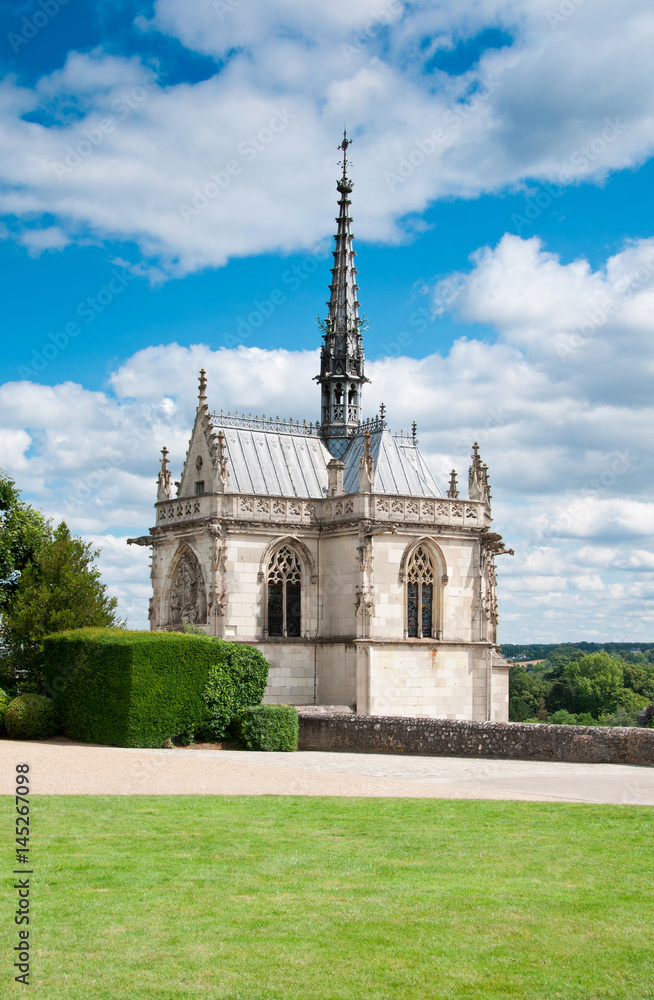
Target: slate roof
399,466
271,459
274,463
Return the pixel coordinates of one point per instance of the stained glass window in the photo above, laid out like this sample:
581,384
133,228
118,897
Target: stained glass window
276,609
412,610
427,604
293,609
285,594
421,573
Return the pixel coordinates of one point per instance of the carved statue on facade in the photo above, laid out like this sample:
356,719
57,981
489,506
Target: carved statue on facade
366,466
217,531
365,602
222,462
365,550
218,449
218,604
164,481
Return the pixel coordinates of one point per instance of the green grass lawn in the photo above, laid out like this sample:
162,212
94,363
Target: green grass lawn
255,898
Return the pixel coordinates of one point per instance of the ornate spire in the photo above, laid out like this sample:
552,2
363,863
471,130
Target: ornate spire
202,394
453,491
164,479
341,361
343,303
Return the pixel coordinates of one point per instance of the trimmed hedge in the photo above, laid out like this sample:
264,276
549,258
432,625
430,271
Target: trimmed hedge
31,717
239,680
139,689
268,727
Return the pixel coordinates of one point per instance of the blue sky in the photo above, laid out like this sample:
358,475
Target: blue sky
502,214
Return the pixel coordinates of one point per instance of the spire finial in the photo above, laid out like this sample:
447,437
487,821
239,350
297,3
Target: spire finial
382,411
453,491
414,431
164,457
344,146
203,384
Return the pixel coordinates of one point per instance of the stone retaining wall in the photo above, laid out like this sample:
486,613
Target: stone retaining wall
444,738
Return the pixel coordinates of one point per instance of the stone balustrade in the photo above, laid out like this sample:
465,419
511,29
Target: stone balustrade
296,510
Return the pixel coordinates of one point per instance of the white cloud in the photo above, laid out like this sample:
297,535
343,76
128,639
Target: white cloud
123,155
38,240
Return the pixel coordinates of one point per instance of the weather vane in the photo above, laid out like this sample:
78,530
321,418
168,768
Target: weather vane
344,146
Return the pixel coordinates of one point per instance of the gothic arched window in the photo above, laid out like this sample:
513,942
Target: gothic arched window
284,594
420,579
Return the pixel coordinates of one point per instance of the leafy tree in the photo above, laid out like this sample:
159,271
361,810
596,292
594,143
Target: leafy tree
560,657
59,589
539,668
639,676
526,692
633,702
23,531
595,684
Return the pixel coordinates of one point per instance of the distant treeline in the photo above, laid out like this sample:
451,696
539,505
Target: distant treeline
538,651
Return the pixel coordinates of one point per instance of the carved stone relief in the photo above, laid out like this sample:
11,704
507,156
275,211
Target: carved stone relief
188,598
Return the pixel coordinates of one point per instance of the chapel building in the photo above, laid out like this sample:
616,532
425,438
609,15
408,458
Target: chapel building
330,546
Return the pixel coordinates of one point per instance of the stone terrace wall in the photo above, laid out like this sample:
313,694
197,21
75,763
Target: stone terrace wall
444,738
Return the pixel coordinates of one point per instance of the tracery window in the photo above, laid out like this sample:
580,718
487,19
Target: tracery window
285,594
421,574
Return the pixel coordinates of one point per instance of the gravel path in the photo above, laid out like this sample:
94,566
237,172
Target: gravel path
62,767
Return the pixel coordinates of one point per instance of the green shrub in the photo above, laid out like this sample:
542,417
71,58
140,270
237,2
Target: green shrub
139,689
4,701
586,719
268,727
31,717
237,681
562,718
